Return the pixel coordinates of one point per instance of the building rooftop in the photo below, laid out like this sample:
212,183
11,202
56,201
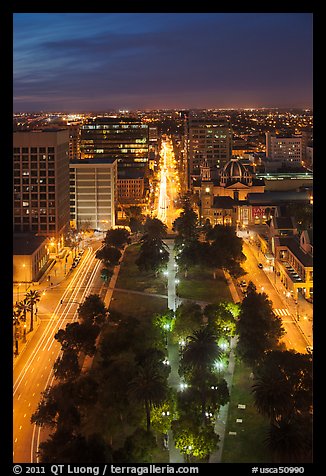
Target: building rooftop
96,160
284,222
131,173
26,243
278,197
223,202
293,243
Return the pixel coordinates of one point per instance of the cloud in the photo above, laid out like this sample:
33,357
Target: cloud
147,56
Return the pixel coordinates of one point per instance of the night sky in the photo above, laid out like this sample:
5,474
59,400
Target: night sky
83,62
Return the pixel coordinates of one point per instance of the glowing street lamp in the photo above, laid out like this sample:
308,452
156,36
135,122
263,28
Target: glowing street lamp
25,278
219,365
18,289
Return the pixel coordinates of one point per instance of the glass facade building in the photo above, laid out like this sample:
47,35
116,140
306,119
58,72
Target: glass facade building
209,142
121,138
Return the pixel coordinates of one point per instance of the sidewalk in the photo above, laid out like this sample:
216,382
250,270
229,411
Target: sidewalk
222,416
55,274
302,311
173,349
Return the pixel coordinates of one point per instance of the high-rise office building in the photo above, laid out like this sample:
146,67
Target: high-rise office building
286,150
209,141
121,138
41,182
74,141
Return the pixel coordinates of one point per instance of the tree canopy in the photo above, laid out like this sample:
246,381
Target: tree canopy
258,329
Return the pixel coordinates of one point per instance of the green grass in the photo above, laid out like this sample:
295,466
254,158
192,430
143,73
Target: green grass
200,285
247,446
131,278
140,306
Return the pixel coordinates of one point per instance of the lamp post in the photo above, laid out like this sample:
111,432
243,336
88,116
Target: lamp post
166,328
297,309
25,277
18,289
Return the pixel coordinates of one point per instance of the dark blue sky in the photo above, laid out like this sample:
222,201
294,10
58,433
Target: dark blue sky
78,62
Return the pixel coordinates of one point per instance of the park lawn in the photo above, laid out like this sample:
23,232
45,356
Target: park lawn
131,278
138,305
247,446
201,286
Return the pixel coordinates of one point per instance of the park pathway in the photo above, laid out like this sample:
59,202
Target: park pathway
173,350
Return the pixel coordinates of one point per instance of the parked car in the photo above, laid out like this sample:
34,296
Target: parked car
309,349
260,266
243,283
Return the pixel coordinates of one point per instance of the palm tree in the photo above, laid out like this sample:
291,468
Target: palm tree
272,396
16,323
290,441
148,386
32,298
22,307
201,350
199,356
283,386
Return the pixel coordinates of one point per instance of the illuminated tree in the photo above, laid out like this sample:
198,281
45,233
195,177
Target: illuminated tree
222,317
163,415
194,440
188,318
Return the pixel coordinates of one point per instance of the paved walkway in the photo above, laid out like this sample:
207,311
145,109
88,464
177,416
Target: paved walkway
173,349
221,418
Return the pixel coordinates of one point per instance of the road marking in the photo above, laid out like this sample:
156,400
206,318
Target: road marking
281,312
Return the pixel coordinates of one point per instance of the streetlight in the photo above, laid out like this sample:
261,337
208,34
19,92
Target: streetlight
297,309
18,288
25,278
219,366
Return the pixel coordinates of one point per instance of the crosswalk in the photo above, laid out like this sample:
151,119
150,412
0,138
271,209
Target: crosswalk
281,312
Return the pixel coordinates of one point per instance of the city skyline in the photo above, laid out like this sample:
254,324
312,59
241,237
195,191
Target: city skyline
80,62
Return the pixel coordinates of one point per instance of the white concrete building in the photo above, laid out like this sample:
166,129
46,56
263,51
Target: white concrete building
93,193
